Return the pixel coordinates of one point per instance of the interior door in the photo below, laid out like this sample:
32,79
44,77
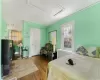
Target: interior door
34,42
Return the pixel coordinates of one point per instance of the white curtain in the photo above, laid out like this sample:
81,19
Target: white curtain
67,36
53,39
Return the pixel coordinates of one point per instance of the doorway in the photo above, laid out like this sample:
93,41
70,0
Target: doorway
34,42
16,37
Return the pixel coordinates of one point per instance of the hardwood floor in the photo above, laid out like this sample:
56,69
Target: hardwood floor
41,74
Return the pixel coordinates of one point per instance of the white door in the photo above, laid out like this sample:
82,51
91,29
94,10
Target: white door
34,42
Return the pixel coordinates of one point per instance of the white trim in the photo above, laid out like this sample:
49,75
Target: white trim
62,45
30,4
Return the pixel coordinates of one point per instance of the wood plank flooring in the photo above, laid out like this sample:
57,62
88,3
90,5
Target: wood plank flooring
41,74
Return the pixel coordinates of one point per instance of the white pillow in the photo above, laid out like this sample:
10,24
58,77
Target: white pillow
91,51
82,51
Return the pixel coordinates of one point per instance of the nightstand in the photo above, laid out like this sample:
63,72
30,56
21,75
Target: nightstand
52,56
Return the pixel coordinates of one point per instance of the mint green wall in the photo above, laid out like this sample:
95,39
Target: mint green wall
26,33
87,26
4,29
0,35
5,33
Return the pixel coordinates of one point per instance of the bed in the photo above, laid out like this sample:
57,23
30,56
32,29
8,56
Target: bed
85,68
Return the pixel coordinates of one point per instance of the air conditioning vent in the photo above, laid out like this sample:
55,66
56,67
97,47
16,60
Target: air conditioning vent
61,10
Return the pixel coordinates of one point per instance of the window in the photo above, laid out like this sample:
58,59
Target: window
52,39
16,36
67,41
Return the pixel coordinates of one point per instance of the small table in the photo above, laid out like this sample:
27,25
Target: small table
52,56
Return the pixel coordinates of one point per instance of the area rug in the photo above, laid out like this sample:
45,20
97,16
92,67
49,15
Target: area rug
21,68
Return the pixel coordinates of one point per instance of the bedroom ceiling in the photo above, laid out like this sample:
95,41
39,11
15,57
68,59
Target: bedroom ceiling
41,11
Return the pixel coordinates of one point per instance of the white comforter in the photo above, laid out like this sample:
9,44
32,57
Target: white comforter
85,68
